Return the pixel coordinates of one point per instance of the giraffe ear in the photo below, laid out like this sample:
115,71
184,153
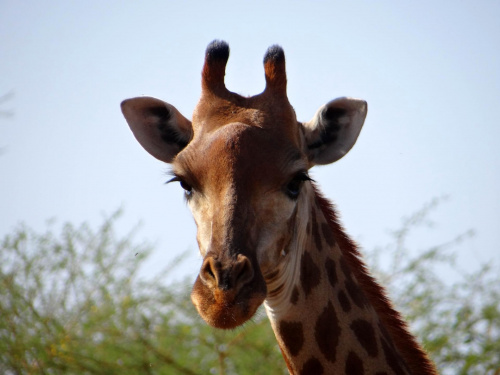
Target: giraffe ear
158,126
334,129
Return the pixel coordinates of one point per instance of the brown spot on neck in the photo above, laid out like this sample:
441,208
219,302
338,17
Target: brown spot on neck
328,234
315,232
345,269
365,334
331,272
309,273
312,367
327,332
294,298
392,358
355,293
354,365
344,301
292,334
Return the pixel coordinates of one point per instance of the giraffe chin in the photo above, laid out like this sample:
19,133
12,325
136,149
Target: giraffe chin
226,309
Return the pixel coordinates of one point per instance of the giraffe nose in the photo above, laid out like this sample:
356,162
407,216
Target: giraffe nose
232,274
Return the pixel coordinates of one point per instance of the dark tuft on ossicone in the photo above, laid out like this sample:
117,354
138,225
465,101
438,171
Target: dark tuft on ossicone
217,50
274,53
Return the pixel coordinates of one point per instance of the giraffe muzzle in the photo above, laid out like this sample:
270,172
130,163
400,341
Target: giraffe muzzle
228,292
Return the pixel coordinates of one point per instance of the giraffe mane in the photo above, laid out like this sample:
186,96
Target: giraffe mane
397,328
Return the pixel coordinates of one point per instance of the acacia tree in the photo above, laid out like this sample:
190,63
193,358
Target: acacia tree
72,303
458,321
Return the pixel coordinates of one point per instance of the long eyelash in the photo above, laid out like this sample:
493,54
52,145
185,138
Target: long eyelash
175,179
303,176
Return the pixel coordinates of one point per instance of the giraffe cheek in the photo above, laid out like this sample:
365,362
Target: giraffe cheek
271,253
274,235
202,238
277,247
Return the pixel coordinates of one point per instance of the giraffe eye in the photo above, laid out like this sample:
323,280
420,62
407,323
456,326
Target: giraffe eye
293,187
188,189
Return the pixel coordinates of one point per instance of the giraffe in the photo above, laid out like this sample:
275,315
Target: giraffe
265,232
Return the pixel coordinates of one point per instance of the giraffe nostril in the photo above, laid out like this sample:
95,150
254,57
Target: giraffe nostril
231,275
208,273
243,271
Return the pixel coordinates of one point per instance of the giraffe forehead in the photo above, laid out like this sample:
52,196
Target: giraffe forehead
273,116
241,154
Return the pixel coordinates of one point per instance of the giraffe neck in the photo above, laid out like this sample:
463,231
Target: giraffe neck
329,316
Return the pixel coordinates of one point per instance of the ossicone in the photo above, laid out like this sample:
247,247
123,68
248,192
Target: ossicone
274,67
214,69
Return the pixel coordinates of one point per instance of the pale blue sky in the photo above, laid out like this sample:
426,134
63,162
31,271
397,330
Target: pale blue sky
428,69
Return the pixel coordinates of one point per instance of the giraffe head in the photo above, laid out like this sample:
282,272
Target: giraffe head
243,163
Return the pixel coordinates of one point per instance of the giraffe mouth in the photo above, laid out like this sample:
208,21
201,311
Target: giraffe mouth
228,296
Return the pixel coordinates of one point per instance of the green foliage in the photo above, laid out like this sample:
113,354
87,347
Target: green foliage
72,303
457,320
